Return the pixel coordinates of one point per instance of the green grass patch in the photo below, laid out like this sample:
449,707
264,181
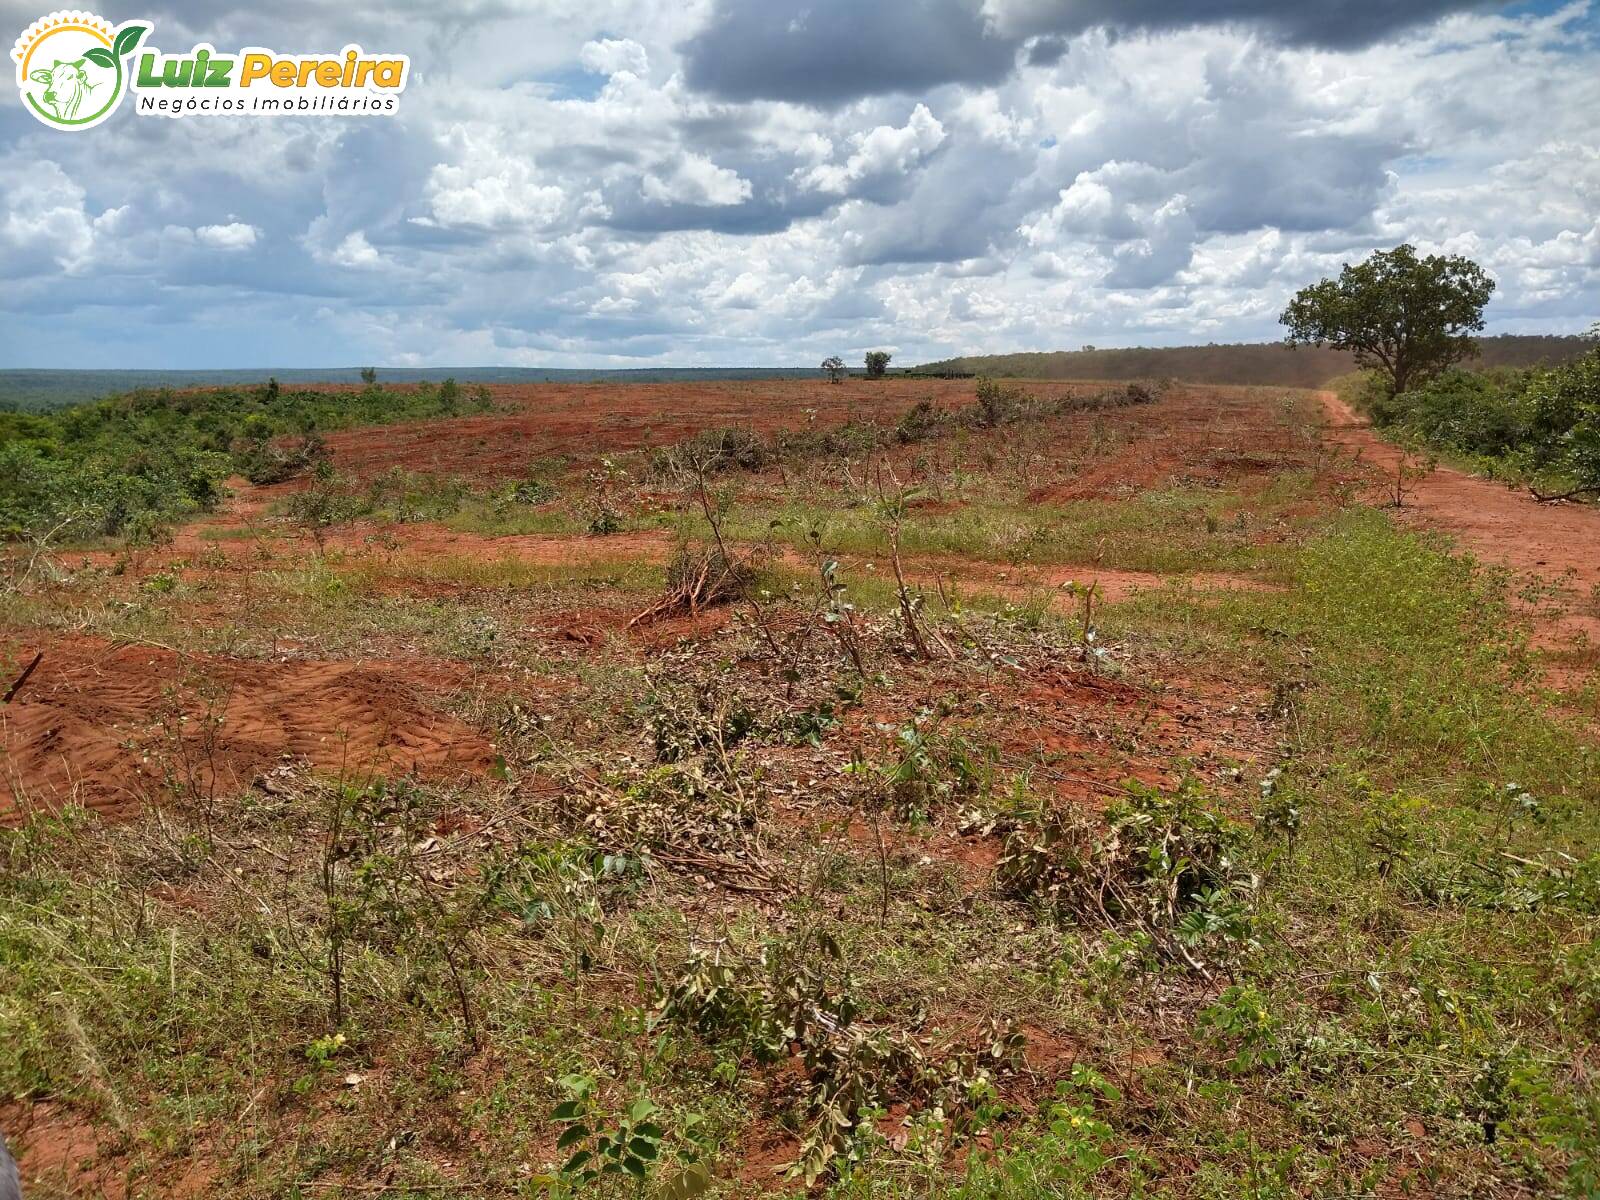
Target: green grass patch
1169,532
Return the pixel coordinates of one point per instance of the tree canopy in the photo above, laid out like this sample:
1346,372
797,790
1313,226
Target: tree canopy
1408,316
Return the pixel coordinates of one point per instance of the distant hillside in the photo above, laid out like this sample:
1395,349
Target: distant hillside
42,390
1273,364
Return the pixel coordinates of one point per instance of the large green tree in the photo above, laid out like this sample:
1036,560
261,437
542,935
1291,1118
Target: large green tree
1407,316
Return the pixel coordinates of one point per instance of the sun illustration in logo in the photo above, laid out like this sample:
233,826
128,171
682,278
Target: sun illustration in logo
70,67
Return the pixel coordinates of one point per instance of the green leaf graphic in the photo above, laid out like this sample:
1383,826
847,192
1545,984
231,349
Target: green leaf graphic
128,39
100,57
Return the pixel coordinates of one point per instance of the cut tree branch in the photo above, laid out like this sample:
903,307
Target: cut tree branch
22,679
1590,489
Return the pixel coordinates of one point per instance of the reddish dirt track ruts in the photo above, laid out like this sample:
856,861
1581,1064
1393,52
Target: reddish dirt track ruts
1558,543
97,727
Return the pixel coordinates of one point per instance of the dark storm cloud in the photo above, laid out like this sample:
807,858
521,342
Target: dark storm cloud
1047,51
632,212
1333,24
830,52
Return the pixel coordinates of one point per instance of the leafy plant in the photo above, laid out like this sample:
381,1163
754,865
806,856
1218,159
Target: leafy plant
933,766
1166,865
1240,1020
997,402
605,521
631,1145
787,998
922,421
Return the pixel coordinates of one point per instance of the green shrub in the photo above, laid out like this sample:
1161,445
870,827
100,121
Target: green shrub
1536,421
1468,411
923,421
131,464
1564,406
1162,864
997,402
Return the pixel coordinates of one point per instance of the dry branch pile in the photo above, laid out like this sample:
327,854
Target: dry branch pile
699,578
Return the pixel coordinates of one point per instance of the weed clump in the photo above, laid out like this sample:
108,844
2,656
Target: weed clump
1164,865
802,1004
712,451
998,403
699,720
921,422
662,810
261,460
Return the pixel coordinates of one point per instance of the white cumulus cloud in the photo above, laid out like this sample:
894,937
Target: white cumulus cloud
235,235
695,179
887,151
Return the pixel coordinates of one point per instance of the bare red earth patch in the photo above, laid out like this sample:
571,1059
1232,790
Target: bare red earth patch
102,724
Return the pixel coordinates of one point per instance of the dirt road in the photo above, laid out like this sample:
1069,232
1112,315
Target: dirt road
1558,543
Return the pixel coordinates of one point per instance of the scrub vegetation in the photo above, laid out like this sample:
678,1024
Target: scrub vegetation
976,790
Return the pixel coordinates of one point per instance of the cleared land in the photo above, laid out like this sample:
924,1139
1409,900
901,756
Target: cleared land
1100,798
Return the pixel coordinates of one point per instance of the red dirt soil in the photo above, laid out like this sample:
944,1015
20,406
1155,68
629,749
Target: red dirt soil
1506,526
89,726
61,1154
532,421
1198,437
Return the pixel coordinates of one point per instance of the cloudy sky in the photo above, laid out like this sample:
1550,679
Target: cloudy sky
766,182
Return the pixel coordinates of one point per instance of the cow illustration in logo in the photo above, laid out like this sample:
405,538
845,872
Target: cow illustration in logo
70,67
67,87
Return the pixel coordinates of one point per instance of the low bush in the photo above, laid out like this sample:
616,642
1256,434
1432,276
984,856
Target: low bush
713,451
132,464
1166,866
997,402
1538,422
262,460
800,1000
921,422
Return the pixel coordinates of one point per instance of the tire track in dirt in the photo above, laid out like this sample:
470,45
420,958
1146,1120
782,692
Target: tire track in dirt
1557,543
106,725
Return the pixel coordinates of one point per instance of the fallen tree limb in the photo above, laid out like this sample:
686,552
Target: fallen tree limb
23,678
1591,489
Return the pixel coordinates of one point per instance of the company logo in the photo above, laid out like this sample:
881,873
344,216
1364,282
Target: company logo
71,67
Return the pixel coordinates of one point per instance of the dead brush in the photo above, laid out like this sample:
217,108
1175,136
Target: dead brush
799,1001
683,816
1164,866
712,574
700,577
707,719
